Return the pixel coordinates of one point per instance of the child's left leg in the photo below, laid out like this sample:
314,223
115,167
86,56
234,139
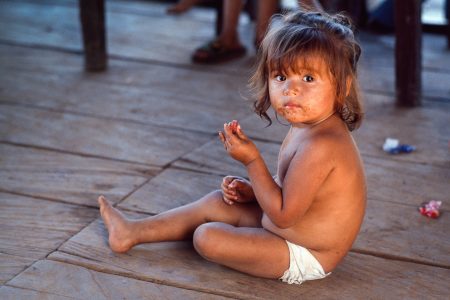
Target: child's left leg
254,251
249,248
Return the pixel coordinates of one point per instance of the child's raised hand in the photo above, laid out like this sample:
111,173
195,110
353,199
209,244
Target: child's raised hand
236,189
237,144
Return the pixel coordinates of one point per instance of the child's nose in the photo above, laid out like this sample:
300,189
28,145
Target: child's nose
290,89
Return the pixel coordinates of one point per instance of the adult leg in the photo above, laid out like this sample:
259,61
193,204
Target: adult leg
176,224
254,251
266,9
181,6
227,45
229,36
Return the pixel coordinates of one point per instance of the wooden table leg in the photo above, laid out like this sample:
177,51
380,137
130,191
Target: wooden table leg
447,16
408,52
92,17
219,17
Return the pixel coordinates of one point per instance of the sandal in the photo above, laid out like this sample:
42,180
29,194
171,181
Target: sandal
214,52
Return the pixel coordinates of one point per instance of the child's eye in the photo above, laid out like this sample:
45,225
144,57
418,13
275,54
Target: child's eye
280,78
308,78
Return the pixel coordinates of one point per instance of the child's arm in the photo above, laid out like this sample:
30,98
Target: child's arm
302,180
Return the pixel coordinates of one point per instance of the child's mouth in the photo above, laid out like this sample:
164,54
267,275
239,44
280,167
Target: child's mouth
292,105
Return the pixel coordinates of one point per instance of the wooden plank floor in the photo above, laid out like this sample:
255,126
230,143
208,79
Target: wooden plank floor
144,134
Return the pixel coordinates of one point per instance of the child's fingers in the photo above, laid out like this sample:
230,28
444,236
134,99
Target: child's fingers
227,200
227,131
240,133
222,137
231,193
229,196
226,143
229,178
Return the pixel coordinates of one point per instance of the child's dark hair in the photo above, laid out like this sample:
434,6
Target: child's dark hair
299,35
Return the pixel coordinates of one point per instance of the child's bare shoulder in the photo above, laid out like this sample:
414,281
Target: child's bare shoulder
331,142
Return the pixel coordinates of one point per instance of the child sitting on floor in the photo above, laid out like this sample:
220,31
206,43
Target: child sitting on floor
299,224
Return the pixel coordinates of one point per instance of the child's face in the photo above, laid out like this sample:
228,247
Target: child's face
306,96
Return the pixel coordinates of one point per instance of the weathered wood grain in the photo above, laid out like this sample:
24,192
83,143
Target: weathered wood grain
171,188
11,265
404,182
425,128
155,36
379,50
399,231
161,95
66,177
212,158
8,292
87,135
177,264
30,229
56,278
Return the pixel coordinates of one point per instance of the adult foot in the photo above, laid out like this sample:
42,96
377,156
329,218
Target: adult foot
117,225
217,52
180,7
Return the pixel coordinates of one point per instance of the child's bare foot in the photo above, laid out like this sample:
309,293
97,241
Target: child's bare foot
118,227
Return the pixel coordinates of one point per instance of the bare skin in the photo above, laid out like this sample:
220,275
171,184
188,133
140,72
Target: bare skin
181,6
231,235
317,200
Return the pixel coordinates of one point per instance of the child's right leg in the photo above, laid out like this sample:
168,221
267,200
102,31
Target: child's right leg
176,224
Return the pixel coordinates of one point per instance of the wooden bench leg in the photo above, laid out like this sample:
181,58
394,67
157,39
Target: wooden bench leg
408,52
92,17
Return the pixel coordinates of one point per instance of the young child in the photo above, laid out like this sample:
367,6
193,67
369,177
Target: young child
299,224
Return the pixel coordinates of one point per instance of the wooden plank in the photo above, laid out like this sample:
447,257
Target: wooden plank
171,188
404,182
212,158
30,229
378,50
153,36
408,52
400,232
7,292
381,79
69,178
51,278
11,265
99,137
129,90
425,127
92,18
177,264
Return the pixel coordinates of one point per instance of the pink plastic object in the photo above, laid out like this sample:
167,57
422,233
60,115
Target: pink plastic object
430,209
